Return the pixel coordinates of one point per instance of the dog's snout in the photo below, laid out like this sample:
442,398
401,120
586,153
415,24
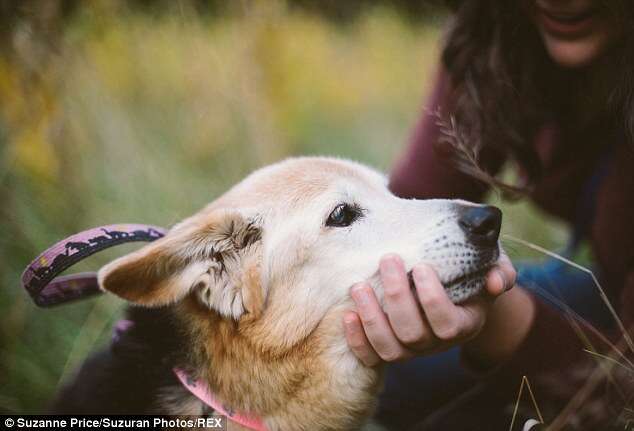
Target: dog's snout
481,224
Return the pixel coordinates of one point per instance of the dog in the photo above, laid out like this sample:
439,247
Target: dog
248,296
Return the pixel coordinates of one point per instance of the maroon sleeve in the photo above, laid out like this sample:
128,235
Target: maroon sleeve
555,358
554,355
570,386
553,343
422,172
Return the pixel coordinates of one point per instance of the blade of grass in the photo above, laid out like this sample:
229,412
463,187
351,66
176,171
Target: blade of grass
526,383
604,297
517,403
607,367
575,319
610,359
595,378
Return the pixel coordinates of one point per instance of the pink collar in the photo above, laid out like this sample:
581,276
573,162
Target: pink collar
202,392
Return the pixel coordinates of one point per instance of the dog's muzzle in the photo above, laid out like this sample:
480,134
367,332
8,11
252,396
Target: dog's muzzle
481,226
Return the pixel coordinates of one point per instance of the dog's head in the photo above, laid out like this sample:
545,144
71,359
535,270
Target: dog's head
282,248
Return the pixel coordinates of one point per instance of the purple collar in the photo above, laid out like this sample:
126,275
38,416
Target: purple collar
39,276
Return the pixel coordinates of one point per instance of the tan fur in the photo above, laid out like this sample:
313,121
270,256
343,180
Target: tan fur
254,298
296,184
293,386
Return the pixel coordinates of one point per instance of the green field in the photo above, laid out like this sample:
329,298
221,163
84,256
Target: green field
130,116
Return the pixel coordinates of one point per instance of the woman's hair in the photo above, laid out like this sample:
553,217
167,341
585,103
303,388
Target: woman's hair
505,85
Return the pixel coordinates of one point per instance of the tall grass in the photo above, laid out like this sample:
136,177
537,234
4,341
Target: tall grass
133,117
613,369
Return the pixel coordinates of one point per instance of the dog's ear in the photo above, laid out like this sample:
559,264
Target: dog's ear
215,255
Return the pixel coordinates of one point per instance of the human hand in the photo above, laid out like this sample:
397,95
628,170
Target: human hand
417,322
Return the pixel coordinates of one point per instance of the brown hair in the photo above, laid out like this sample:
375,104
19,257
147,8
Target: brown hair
505,85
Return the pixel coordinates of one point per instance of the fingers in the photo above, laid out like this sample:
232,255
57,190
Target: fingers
424,321
376,325
502,277
448,321
357,340
401,305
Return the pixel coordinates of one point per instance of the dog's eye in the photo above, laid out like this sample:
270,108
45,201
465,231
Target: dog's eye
343,215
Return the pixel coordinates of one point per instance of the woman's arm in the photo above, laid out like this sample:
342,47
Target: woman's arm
508,322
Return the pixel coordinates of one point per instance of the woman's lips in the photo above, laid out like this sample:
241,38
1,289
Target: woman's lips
567,25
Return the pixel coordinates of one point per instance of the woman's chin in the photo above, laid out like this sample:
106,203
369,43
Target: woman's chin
576,53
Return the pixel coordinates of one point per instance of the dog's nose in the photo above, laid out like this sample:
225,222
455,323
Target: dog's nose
481,224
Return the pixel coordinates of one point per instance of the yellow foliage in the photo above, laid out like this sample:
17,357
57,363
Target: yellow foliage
27,111
33,153
266,79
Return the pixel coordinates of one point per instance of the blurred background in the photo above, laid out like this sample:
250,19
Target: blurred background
144,111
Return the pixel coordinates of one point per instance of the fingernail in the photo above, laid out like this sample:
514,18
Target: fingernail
421,272
389,264
360,294
349,318
505,284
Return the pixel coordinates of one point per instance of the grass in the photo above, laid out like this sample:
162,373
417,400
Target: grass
614,368
138,117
